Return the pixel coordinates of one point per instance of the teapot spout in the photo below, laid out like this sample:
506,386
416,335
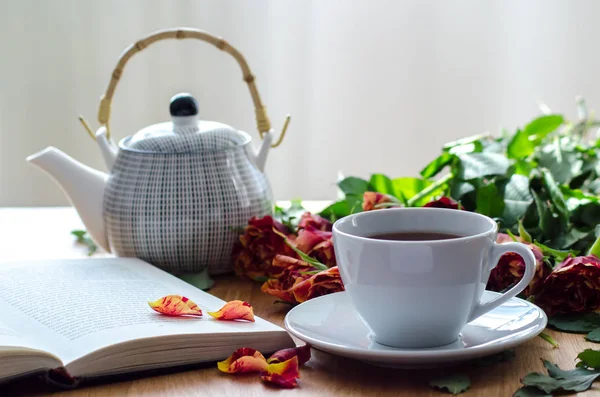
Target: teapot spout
84,186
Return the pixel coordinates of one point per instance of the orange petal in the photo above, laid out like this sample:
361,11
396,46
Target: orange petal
176,305
244,359
302,352
234,310
282,374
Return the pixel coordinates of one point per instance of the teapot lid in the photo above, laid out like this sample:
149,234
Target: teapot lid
185,133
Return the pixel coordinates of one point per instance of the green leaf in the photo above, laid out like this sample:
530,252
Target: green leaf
433,168
350,205
525,236
473,147
542,126
464,141
517,199
594,336
260,279
571,237
558,255
578,194
381,184
477,165
563,165
409,186
523,167
530,391
78,233
548,339
579,323
83,238
489,202
290,216
455,384
520,146
543,382
354,186
547,221
512,235
590,357
586,214
558,380
595,248
459,189
555,194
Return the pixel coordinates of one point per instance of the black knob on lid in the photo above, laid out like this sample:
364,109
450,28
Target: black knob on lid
183,105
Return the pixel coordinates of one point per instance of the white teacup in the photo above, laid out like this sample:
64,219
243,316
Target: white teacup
418,294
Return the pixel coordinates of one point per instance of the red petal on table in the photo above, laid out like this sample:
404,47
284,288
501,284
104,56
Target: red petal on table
176,305
234,310
244,359
282,374
302,352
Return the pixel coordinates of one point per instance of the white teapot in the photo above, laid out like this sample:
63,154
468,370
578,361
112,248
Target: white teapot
176,192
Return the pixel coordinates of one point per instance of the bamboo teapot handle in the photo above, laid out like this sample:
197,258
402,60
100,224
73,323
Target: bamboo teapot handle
262,120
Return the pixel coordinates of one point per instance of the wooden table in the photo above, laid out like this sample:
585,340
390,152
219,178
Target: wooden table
44,234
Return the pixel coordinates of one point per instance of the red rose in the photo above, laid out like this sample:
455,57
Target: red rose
371,199
574,286
258,245
511,266
318,244
315,221
443,202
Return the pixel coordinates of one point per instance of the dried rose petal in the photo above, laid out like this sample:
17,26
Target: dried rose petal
302,352
235,310
242,360
175,305
282,374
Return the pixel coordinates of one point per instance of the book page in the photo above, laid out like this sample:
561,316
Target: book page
74,307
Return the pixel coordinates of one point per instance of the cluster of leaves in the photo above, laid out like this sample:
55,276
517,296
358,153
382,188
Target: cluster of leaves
544,175
560,381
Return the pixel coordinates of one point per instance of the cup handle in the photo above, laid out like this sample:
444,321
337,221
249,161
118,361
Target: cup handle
496,252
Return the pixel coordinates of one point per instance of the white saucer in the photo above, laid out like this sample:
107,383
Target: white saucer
331,324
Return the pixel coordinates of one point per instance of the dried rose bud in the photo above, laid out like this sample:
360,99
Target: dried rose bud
315,221
371,199
574,286
323,283
253,255
443,202
511,267
286,271
318,244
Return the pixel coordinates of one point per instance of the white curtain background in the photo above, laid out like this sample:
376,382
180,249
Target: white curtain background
372,85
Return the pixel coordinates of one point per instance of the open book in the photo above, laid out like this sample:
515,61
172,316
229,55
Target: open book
91,317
